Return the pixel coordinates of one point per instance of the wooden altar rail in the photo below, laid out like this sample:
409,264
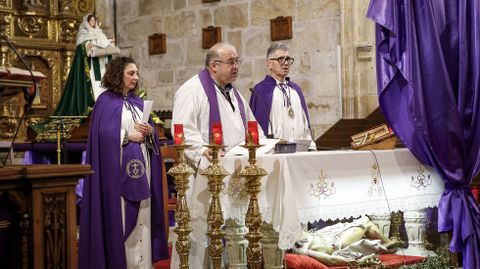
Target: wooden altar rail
44,216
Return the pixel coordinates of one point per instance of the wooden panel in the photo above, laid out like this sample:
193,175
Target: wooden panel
281,28
157,44
47,194
210,36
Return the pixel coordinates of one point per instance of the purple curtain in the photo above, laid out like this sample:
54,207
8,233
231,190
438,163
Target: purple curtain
428,75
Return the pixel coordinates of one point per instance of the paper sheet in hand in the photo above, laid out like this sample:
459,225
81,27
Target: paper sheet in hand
147,108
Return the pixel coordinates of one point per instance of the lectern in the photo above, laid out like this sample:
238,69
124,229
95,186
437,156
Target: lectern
38,215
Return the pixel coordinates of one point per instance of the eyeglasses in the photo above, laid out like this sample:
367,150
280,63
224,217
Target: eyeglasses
231,62
284,60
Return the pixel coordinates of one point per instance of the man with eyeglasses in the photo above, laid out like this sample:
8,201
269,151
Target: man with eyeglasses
210,97
278,103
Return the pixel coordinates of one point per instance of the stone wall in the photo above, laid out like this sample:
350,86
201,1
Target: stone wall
245,24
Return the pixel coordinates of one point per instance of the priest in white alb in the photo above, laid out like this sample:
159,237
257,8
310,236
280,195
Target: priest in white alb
209,97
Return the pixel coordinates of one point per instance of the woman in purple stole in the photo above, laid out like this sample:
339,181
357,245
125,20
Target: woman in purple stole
121,223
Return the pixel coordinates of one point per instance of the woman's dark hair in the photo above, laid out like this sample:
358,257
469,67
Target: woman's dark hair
91,16
113,78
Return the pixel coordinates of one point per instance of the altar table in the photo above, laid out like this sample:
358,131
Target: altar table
309,186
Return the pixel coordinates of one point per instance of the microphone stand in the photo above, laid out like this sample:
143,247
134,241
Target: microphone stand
28,96
269,135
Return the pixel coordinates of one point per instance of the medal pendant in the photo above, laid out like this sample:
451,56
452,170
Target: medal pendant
290,112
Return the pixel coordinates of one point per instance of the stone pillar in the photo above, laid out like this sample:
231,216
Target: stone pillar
236,244
272,255
415,228
383,223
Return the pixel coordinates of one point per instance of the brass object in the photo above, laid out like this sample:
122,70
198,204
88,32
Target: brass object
57,129
396,221
181,171
291,114
64,124
215,174
59,146
253,218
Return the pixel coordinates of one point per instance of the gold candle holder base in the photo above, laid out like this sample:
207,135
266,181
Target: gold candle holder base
253,218
215,174
181,171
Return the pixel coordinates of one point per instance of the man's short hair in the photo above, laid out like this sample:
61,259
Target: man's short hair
213,52
276,46
211,56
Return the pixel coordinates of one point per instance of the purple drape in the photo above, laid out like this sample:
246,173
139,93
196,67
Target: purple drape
428,75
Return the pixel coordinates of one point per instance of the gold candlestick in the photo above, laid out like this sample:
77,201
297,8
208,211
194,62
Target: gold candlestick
253,218
215,174
181,171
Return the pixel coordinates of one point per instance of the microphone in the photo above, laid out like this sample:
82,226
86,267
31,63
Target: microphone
28,96
269,135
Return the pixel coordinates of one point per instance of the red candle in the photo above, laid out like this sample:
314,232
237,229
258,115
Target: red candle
177,133
253,129
475,193
217,133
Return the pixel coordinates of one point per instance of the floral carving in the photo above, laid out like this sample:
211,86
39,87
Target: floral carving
31,25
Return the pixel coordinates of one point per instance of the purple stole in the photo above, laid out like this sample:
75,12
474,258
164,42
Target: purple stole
209,88
261,100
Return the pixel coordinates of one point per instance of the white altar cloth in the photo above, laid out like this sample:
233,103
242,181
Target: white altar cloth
310,186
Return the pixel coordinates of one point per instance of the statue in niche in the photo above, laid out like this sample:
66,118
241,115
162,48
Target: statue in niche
94,50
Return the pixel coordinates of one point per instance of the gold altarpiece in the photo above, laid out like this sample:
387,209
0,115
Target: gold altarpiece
44,31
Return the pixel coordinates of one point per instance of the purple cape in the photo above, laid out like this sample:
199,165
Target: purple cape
261,100
209,88
101,230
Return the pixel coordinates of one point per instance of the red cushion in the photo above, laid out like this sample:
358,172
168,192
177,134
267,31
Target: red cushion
395,259
295,261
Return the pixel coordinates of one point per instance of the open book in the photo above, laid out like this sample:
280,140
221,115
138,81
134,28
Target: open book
15,73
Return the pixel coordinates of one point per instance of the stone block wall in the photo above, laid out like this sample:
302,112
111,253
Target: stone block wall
245,24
